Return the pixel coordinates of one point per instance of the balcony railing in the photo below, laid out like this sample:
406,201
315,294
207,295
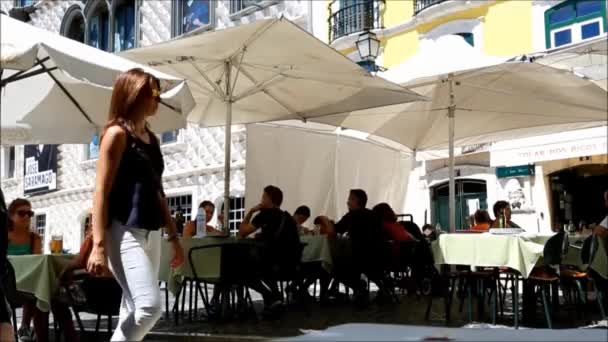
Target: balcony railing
353,18
421,5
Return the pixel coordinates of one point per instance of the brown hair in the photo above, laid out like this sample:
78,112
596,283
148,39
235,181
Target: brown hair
131,89
12,209
385,212
482,216
275,194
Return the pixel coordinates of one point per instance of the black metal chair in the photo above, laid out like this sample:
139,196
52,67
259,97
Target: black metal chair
546,277
106,305
236,270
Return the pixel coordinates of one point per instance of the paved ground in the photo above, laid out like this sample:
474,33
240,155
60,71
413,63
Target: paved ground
298,318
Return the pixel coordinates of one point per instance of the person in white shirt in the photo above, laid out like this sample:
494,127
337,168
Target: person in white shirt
601,229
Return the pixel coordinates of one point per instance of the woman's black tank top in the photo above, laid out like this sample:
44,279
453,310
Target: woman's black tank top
133,200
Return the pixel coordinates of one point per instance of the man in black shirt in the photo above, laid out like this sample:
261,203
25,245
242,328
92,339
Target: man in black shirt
364,229
279,234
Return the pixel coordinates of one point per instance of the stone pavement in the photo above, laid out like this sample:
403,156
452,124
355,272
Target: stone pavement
298,319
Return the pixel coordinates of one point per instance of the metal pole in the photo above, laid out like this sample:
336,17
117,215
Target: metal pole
227,147
452,183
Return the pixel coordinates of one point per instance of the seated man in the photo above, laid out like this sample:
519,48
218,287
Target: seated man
209,208
601,229
365,231
279,233
505,208
301,215
482,221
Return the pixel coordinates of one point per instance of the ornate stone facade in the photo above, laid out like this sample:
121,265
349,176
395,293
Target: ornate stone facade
194,164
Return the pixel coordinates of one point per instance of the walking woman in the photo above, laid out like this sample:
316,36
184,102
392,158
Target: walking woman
129,204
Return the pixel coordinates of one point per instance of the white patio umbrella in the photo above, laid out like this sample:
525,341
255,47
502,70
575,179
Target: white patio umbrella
588,59
494,103
56,90
265,71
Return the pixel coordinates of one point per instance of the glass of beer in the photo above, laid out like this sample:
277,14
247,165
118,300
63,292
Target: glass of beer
56,244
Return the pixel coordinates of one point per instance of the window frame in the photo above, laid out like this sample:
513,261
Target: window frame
574,23
242,11
237,214
36,229
116,5
177,18
98,12
164,142
6,162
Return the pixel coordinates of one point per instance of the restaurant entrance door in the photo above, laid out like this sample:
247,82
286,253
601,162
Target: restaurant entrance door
471,194
577,194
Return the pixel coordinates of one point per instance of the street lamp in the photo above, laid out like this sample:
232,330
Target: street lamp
368,46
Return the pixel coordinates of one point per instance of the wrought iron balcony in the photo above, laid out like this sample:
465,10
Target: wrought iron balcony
421,5
356,16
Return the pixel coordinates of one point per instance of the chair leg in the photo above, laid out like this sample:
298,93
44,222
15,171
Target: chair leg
494,299
167,301
184,290
546,306
97,323
109,324
515,294
190,302
600,299
469,301
78,320
14,322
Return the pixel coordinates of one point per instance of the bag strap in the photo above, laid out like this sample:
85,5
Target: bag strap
280,230
32,239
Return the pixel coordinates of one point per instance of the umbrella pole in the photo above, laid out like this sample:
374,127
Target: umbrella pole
227,146
452,182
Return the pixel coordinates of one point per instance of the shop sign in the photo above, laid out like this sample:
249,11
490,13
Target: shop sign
515,171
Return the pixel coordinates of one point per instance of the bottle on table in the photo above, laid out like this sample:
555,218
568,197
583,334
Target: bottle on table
201,223
502,220
179,220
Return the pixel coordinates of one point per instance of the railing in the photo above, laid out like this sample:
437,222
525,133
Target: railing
357,17
421,5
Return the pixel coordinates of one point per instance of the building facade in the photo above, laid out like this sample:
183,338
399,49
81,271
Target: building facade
556,178
476,31
194,157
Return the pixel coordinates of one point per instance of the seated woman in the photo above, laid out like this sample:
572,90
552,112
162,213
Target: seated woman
482,220
22,241
209,209
391,229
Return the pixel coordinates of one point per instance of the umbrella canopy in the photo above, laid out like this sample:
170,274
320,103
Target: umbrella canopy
505,101
588,59
266,71
277,70
56,90
493,103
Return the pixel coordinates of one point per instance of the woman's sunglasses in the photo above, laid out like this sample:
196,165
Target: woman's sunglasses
24,213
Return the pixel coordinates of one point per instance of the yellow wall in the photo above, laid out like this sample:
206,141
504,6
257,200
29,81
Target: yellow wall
507,29
397,11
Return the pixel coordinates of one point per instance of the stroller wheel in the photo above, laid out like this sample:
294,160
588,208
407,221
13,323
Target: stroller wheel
426,286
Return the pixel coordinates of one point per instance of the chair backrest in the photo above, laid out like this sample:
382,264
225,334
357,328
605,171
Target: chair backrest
413,229
589,248
553,251
9,285
405,217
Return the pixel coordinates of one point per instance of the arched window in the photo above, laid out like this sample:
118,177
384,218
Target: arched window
124,25
573,21
98,31
190,15
73,25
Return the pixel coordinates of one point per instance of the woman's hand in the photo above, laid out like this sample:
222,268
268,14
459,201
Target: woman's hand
178,254
96,264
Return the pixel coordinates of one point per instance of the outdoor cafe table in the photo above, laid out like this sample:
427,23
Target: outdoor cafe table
38,274
520,252
317,249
